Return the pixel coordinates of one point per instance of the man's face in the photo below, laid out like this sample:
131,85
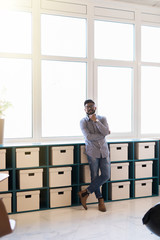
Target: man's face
90,108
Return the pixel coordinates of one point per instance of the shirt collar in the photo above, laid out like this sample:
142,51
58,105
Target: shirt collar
88,119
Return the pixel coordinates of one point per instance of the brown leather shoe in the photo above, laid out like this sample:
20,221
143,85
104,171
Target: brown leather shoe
83,195
101,205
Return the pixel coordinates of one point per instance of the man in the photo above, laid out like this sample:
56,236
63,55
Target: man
95,129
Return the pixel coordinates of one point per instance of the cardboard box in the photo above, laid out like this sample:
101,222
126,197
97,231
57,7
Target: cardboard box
7,200
83,155
62,155
27,157
143,169
143,188
118,152
119,171
145,150
60,176
3,159
85,174
60,197
119,190
27,201
30,178
4,183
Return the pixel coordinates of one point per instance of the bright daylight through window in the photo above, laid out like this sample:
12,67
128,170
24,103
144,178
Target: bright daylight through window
114,41
115,97
150,80
50,62
63,82
16,72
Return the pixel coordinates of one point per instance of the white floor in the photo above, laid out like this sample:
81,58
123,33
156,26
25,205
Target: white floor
122,221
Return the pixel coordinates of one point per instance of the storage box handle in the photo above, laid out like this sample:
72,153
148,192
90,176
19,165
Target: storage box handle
144,165
119,167
60,193
118,148
143,184
30,174
62,151
121,186
146,146
28,196
62,172
27,153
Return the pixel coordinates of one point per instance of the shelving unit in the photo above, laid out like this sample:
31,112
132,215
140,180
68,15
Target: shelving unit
132,160
45,163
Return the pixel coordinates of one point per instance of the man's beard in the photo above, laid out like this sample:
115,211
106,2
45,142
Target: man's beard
91,112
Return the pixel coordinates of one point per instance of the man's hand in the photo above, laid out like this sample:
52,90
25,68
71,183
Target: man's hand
93,117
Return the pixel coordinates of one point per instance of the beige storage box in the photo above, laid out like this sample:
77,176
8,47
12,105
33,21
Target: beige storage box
7,200
4,183
27,201
145,150
119,171
85,174
83,155
27,157
3,159
59,177
119,190
62,155
60,197
30,178
143,169
143,188
118,152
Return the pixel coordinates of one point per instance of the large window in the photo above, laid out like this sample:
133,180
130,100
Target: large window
115,97
150,44
16,86
150,80
63,82
114,40
16,72
63,36
63,94
54,55
150,99
15,31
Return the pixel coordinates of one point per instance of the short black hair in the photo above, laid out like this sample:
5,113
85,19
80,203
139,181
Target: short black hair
89,101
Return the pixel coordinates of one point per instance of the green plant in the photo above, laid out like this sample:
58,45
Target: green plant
3,107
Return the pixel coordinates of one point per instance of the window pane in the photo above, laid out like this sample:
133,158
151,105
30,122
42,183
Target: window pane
150,98
113,40
63,36
16,85
150,44
63,94
115,97
15,31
